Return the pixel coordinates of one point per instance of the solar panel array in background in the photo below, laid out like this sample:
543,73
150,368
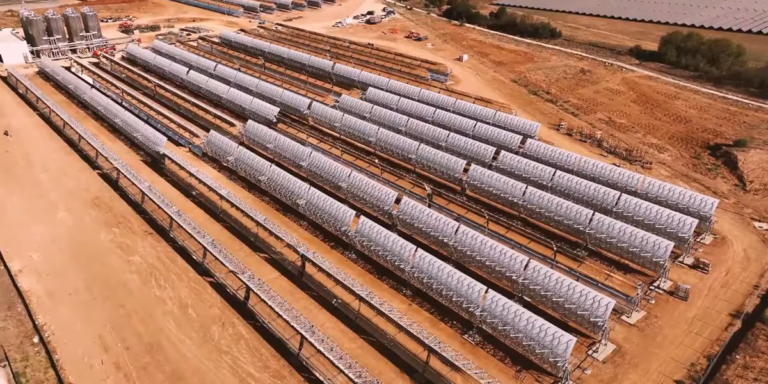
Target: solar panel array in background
728,15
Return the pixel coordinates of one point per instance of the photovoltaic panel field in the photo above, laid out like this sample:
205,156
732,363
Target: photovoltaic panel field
738,16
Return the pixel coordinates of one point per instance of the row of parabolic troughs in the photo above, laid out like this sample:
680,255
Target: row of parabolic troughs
334,216
153,142
670,196
532,336
640,247
472,132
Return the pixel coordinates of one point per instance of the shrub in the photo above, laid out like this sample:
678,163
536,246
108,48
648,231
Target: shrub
643,54
717,60
741,143
694,52
435,3
501,21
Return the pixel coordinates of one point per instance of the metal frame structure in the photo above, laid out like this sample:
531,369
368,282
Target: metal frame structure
430,226
365,80
654,191
277,315
397,254
158,119
144,135
508,139
61,50
160,91
666,195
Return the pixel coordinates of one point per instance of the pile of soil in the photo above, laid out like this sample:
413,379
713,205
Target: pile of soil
753,170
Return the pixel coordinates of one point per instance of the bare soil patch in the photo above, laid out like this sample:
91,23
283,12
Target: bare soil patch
118,304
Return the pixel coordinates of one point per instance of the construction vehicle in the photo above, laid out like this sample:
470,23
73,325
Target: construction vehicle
412,35
421,38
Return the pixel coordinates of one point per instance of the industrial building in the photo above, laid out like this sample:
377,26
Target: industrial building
55,35
13,48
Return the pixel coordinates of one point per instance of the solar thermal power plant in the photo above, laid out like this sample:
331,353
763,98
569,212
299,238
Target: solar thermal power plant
424,336
631,244
749,16
455,173
498,160
417,231
293,191
675,198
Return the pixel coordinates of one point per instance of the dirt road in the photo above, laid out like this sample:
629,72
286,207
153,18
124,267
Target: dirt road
119,305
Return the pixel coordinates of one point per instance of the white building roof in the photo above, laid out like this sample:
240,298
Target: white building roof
12,47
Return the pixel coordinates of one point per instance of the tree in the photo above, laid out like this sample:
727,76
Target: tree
500,14
501,21
435,3
460,10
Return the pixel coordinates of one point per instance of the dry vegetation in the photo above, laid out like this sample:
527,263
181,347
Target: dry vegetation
17,335
748,364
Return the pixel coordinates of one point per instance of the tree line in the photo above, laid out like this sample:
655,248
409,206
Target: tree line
718,60
499,21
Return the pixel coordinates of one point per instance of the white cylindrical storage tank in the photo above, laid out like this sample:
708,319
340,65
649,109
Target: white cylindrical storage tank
91,22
